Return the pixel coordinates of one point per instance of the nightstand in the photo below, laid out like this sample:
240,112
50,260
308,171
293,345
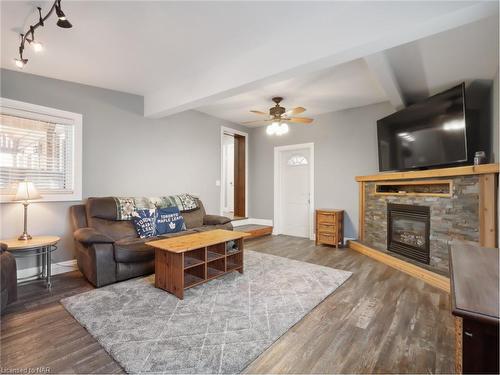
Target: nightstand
330,227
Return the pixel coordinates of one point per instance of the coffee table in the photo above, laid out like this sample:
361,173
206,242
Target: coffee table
186,261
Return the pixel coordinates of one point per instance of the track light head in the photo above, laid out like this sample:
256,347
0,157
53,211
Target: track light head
37,46
65,24
20,63
62,20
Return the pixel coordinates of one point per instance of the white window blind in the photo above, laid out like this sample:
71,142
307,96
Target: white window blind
38,151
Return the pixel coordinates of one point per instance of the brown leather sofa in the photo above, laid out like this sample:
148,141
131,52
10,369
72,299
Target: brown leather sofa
108,250
8,275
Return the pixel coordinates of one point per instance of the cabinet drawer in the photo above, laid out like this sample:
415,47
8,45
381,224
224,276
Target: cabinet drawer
327,238
327,227
324,217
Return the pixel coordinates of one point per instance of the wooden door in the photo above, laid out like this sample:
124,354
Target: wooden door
239,176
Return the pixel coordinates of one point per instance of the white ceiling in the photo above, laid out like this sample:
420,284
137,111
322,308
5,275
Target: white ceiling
421,68
344,86
183,55
429,65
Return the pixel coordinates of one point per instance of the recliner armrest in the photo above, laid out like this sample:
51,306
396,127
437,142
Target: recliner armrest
89,236
215,220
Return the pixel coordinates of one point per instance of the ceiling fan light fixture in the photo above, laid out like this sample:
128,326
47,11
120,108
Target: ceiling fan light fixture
277,128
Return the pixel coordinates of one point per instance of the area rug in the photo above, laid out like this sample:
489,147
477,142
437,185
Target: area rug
219,327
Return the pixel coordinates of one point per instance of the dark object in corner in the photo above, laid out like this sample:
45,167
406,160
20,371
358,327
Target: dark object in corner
8,274
475,305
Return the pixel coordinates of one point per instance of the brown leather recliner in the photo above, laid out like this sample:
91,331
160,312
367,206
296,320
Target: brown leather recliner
8,275
108,250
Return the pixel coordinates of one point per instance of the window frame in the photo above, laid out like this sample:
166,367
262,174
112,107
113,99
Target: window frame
41,113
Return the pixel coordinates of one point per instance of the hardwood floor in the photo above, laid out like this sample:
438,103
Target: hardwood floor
381,320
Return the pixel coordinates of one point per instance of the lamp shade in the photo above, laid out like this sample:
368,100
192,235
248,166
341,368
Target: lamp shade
26,191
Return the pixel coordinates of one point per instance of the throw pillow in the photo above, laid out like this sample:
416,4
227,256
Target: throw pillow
144,222
169,220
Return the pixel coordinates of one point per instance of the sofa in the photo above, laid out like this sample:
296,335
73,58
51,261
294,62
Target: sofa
108,250
8,275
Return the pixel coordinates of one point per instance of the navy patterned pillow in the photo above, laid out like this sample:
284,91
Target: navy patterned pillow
169,220
144,222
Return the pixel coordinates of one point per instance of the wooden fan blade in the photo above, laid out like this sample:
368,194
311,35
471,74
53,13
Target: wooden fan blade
295,111
259,113
301,120
254,121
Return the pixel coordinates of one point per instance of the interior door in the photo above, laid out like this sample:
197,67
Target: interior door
295,192
229,177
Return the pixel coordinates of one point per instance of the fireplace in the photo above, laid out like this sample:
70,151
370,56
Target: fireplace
408,228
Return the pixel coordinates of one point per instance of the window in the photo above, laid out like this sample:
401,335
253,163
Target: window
297,160
41,145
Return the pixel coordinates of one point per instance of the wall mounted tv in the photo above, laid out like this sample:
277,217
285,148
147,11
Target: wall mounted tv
428,134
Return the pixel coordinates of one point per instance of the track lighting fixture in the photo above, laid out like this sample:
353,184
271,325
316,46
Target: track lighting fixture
62,21
29,36
37,46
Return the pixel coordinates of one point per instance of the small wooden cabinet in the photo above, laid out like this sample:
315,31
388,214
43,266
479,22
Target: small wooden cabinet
330,227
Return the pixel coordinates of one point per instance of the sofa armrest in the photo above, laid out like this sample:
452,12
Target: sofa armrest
215,220
90,236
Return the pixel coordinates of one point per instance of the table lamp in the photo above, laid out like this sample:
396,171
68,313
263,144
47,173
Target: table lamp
26,192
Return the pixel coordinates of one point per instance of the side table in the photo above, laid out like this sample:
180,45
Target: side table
38,246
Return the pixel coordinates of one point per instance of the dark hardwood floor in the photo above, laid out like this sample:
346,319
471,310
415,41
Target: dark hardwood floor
381,320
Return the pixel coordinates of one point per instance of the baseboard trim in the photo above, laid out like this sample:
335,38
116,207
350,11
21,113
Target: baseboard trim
253,221
57,268
427,276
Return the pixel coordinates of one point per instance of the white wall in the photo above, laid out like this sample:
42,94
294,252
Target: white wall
345,145
124,153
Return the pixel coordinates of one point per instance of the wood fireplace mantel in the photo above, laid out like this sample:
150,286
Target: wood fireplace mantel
488,185
442,172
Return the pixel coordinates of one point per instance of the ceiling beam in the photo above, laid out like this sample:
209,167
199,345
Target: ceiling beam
219,85
383,73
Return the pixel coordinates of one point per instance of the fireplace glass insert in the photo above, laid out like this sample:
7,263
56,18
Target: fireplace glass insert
408,229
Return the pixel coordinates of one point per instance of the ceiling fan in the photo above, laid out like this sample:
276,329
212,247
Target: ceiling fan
278,116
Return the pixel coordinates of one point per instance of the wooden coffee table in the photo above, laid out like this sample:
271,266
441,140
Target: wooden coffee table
186,261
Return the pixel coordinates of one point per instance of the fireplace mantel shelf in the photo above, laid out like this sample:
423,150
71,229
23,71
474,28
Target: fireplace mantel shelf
442,172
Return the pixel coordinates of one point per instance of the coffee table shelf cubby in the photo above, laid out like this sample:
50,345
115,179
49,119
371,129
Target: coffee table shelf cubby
186,261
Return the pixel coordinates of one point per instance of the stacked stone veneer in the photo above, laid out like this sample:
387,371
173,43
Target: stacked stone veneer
455,217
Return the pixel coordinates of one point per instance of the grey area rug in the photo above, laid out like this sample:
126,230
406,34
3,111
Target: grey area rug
219,327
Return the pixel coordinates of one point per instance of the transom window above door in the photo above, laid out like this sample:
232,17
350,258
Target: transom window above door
297,160
40,147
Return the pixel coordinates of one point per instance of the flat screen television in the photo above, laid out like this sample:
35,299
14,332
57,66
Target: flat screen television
425,135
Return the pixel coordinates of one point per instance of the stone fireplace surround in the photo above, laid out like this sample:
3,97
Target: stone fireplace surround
455,217
467,211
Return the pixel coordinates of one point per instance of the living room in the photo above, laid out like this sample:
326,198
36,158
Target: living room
201,187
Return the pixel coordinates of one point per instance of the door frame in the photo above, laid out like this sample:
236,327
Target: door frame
277,222
224,129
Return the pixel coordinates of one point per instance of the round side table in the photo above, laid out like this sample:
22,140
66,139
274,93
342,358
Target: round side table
38,246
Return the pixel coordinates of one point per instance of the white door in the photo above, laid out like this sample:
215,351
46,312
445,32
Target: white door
295,192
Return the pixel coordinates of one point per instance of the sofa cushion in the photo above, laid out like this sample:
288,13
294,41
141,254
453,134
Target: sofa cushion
194,219
134,250
169,220
144,222
117,230
103,208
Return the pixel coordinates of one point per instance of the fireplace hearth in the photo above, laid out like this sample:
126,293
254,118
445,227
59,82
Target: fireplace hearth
408,231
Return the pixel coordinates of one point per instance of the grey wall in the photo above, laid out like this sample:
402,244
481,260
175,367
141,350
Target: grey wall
345,145
124,153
